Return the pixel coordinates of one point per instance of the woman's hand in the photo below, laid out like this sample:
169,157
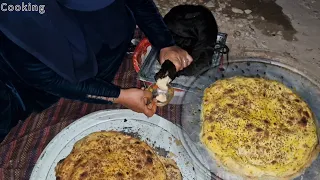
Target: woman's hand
179,57
138,100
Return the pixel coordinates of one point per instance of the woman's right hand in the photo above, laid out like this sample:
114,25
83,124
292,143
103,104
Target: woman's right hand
137,100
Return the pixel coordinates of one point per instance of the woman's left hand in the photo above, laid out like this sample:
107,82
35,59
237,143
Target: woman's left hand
179,57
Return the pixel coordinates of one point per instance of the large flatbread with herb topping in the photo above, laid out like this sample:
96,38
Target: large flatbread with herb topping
258,128
115,156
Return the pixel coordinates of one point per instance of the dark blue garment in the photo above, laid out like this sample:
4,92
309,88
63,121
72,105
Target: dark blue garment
67,42
85,5
68,51
59,40
40,87
68,62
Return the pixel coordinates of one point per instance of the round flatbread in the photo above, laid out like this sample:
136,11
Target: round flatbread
113,155
258,128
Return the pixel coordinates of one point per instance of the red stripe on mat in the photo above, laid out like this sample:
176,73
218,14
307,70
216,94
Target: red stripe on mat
84,109
56,114
11,150
24,127
43,141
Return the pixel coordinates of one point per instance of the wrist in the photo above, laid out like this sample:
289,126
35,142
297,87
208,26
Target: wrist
165,48
120,98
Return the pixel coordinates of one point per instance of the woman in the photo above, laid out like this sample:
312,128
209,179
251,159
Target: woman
73,50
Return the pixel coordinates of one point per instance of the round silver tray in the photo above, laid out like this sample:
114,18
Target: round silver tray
156,131
251,67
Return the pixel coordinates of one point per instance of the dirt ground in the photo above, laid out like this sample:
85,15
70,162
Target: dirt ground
284,30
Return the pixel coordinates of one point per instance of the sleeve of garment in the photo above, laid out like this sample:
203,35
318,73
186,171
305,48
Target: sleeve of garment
151,23
38,75
92,90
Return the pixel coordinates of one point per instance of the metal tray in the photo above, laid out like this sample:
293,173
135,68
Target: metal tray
251,67
156,131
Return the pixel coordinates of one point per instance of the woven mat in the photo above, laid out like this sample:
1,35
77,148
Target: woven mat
22,147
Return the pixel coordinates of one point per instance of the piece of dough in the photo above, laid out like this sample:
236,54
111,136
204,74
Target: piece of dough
161,98
162,83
